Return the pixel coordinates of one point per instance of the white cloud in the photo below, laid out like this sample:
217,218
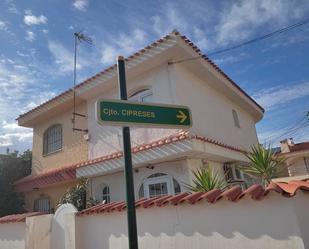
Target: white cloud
80,4
123,44
10,139
12,7
13,133
227,59
64,58
3,25
30,36
298,131
45,31
21,54
44,96
171,19
30,19
17,90
109,54
242,18
272,98
11,126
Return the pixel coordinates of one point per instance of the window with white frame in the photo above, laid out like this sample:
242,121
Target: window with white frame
235,176
159,184
52,139
236,119
42,204
143,95
102,193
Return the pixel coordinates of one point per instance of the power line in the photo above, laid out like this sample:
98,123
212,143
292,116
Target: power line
276,32
291,130
288,132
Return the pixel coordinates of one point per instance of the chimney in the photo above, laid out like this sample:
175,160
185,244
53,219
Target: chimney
286,144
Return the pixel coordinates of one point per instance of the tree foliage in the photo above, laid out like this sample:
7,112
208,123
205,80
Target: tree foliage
13,166
78,196
263,163
206,179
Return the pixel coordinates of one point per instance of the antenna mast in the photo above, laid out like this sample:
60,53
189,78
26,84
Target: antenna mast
78,37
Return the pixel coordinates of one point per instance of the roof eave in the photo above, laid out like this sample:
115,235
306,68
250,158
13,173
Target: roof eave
132,61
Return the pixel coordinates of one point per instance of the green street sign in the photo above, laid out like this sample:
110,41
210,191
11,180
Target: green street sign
126,113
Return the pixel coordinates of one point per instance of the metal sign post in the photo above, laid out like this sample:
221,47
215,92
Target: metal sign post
131,214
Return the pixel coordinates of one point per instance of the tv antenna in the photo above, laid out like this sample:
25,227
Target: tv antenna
79,37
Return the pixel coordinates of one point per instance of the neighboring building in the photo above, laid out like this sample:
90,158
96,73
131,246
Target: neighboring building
297,159
223,115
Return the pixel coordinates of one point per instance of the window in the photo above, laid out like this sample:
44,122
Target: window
105,195
42,205
306,161
102,193
52,139
236,120
235,176
144,95
159,184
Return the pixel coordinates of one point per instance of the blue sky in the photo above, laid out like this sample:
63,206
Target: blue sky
37,45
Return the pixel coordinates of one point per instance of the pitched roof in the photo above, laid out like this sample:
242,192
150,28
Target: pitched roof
68,173
299,147
138,54
63,174
18,217
234,194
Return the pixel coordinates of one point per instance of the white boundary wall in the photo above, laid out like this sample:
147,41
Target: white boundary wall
38,231
270,223
275,222
13,235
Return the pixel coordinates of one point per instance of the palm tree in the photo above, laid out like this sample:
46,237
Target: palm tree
206,179
263,163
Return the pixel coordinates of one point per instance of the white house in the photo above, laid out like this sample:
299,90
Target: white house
224,118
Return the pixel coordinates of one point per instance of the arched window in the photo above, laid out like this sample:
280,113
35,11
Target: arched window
143,95
42,204
159,184
102,193
52,139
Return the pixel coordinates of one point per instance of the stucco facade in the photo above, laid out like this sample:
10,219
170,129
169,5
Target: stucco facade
296,157
53,193
213,98
106,140
74,148
211,111
180,170
299,166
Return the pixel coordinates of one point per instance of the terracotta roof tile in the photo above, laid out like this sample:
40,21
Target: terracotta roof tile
68,173
211,196
256,192
299,147
232,194
138,53
47,178
14,218
293,186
